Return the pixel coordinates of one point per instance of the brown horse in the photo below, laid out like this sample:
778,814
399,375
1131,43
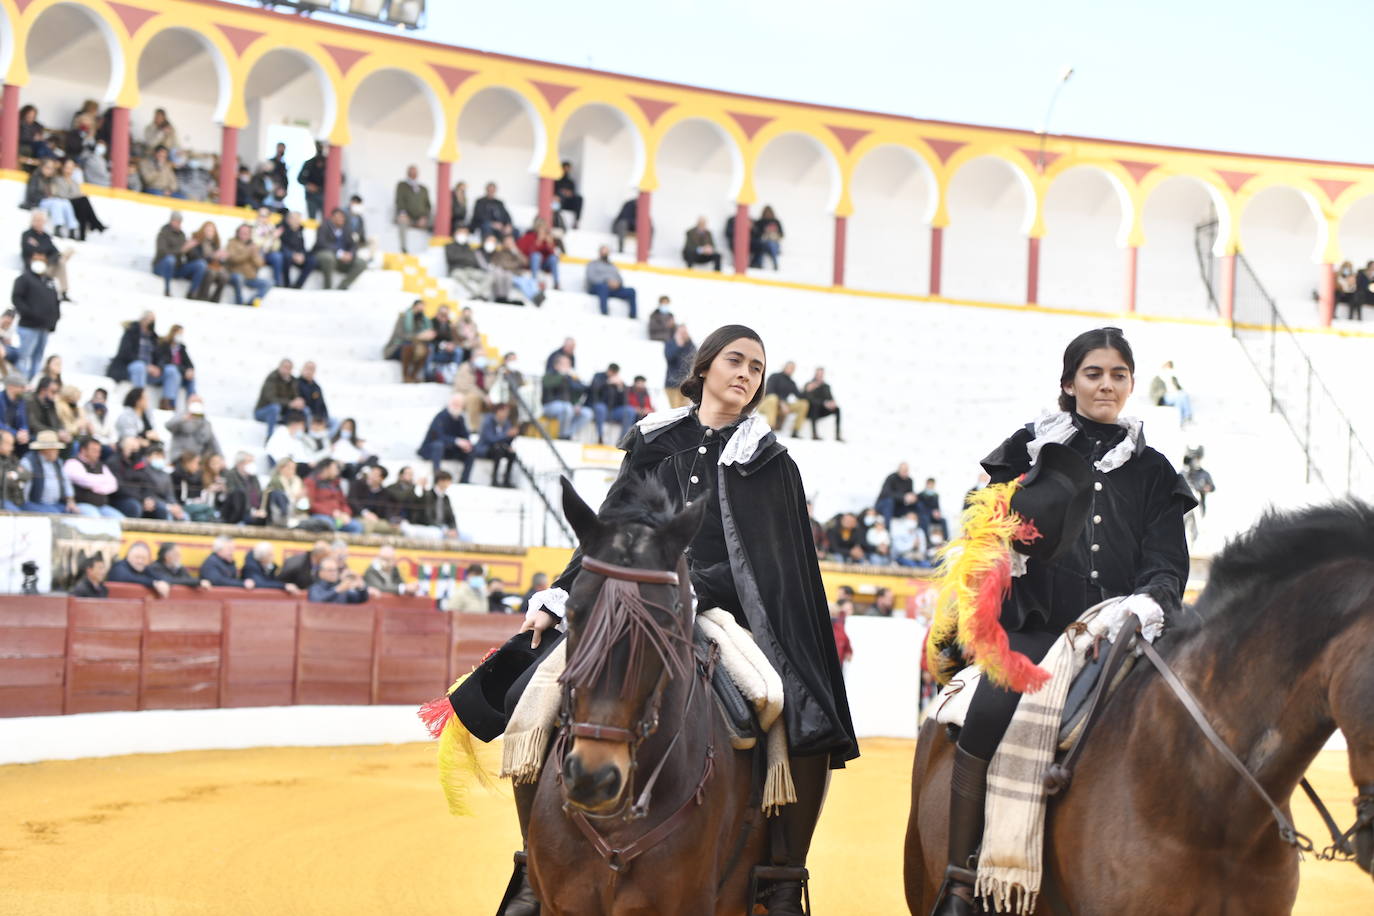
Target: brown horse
649,810
1280,652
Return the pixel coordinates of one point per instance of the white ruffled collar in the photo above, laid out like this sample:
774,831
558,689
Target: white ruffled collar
1057,426
741,448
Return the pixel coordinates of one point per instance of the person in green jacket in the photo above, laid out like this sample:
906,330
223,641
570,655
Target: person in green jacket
412,205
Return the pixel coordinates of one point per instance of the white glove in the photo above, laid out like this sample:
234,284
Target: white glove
1112,618
551,600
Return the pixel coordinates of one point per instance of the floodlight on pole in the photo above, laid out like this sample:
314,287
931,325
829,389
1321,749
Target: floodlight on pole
1064,76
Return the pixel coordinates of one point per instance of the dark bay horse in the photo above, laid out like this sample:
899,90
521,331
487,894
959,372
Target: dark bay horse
649,810
1280,652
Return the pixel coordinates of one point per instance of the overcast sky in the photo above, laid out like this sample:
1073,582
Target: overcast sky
1260,76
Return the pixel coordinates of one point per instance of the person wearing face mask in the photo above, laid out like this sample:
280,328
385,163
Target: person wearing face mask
95,166
661,321
100,420
470,597
36,239
506,382
175,366
160,477
929,514
243,493
38,304
513,272
468,266
412,205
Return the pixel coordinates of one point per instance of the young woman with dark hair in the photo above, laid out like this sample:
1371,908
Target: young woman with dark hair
1131,544
754,557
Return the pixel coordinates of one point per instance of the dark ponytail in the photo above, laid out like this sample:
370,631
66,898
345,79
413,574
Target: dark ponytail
1080,347
710,348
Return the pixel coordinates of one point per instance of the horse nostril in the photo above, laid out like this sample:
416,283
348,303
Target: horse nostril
608,783
572,770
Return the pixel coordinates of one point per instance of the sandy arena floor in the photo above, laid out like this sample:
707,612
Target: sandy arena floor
338,831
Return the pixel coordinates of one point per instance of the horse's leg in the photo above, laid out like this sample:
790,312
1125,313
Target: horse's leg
926,829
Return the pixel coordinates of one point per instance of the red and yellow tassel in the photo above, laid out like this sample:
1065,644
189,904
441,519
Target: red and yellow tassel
459,765
975,579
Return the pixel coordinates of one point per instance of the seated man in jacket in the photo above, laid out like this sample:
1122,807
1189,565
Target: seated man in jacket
14,475
336,250
243,493
605,283
448,438
489,215
93,483
300,569
92,581
161,481
49,490
261,572
699,247
169,568
383,575
608,400
562,398
468,265
218,568
435,509
295,254
405,497
327,501
134,568
334,587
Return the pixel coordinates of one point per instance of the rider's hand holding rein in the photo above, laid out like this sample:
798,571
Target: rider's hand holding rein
546,611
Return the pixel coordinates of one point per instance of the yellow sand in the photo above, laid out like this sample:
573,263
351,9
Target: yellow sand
363,830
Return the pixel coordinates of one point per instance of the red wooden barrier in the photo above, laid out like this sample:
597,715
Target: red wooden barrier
259,652
104,650
33,652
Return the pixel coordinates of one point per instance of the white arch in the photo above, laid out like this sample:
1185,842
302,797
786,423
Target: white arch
727,143
329,104
221,66
541,141
113,47
436,110
827,157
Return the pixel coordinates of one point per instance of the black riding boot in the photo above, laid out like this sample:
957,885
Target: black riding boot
968,788
519,899
792,830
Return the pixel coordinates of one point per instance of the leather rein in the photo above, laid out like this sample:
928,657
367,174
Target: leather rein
618,858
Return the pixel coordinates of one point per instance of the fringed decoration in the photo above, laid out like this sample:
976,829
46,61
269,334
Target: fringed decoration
975,576
1005,897
522,755
459,765
778,789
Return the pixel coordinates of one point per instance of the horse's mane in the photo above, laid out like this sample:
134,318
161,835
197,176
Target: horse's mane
1282,545
643,500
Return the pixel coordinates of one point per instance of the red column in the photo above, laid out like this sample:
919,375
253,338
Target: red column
1132,261
937,254
228,165
9,128
840,225
644,227
443,205
333,179
546,199
1328,294
741,239
1228,287
119,148
1033,272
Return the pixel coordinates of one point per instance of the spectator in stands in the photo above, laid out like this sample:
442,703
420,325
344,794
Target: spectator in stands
160,132
506,383
383,574
333,587
267,239
246,191
470,596
242,493
371,503
1364,290
69,414
327,501
158,175
497,597
821,404
93,483
624,223
40,194
278,163
909,544
700,246
336,250
846,539
412,205
312,394
897,495
538,582
169,568
678,352
444,351
214,479
490,217
608,400
765,239
1198,478
134,569
87,120
261,185
294,252
286,503
929,514
173,258
92,582
52,369
782,399
562,397
67,186
1165,388
34,240
638,398
405,496
38,304
136,421
14,475
14,409
9,341
459,205
191,432
879,542
33,136
100,420
49,489
160,477
135,361
604,282
468,380
174,364
468,265
219,569
448,438
565,197
508,269
497,442
188,489
299,570
278,393
1346,286
208,250
436,511
134,497
883,603
410,341
42,411
289,443
661,321
262,572
95,167
312,177
349,449
541,248
568,348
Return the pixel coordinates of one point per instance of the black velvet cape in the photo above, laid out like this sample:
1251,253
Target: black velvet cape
772,578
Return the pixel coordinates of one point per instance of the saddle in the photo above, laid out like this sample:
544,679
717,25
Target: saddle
735,711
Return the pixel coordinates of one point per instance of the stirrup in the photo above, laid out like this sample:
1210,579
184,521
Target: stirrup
775,875
517,888
962,877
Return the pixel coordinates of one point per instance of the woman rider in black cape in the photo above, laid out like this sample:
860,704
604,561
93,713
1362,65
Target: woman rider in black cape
1132,544
753,557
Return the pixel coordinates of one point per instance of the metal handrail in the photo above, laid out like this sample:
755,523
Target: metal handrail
523,406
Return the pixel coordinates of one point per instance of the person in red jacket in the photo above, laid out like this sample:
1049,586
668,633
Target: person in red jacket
327,500
540,246
841,611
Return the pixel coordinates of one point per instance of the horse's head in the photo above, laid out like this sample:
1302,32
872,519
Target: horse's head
629,633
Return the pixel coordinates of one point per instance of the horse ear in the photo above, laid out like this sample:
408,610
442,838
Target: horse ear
577,512
678,531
